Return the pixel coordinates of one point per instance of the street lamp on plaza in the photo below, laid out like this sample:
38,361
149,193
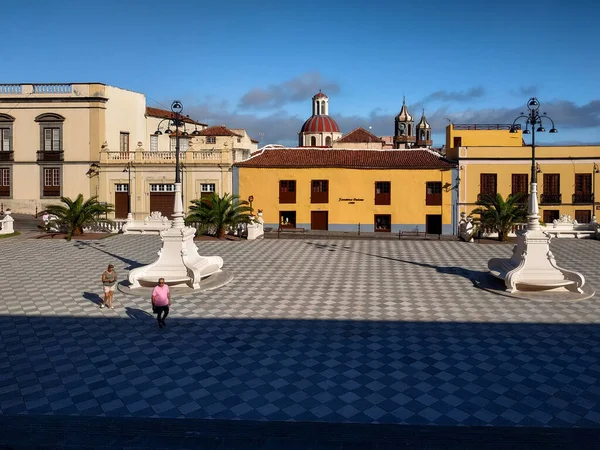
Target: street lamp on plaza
178,260
534,119
532,267
176,120
127,169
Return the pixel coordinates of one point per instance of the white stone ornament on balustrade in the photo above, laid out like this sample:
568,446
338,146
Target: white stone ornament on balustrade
7,223
152,224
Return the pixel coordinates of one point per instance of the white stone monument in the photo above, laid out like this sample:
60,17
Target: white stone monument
7,223
178,260
532,266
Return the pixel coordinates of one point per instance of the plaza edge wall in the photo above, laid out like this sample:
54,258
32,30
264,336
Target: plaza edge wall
408,189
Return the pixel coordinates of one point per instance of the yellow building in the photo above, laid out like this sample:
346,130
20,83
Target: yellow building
339,189
493,160
94,139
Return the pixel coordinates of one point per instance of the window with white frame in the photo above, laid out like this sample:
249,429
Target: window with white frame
153,143
4,139
162,188
183,144
121,187
211,140
207,190
51,139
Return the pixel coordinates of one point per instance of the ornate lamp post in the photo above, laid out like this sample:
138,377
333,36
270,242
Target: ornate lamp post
127,169
178,260
532,266
177,121
534,119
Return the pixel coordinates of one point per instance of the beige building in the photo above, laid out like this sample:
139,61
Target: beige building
90,138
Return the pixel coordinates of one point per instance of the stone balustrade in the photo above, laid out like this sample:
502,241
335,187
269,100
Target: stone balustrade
152,157
106,226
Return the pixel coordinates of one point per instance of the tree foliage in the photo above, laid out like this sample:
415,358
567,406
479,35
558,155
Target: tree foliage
500,215
74,215
219,213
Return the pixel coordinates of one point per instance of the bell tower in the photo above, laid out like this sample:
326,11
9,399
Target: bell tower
404,131
424,132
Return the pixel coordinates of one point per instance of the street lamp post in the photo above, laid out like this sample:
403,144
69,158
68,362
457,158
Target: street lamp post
177,120
127,169
178,260
532,269
534,119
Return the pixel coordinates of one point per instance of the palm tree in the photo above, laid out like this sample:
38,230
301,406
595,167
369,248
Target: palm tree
219,212
76,214
500,215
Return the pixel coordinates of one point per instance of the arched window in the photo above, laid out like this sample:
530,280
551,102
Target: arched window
51,135
409,129
323,110
313,141
328,141
318,107
6,127
422,135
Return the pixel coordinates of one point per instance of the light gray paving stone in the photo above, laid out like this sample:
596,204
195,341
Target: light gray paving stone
368,331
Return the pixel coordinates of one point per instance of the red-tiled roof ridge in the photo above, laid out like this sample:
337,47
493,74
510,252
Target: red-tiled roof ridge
306,157
218,130
360,135
164,114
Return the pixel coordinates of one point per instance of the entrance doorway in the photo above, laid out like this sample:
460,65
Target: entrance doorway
121,200
319,220
433,224
162,198
121,205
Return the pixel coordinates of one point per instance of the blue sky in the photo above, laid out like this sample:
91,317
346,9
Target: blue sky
256,65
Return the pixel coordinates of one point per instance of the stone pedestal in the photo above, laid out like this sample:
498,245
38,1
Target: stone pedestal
7,223
532,266
178,260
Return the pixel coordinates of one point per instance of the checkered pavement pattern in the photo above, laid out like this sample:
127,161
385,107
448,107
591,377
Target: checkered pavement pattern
323,330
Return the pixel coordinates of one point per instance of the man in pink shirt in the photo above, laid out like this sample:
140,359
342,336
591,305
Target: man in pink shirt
161,300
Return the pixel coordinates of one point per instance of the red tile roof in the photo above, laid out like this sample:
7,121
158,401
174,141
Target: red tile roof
164,114
218,130
352,159
360,135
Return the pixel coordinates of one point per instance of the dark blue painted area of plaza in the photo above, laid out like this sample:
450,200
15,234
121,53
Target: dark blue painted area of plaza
60,432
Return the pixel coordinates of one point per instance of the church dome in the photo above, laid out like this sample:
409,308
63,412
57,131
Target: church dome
404,115
320,123
423,123
319,95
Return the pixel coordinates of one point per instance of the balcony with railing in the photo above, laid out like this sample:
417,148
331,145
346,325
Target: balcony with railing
484,126
52,90
433,199
157,157
551,199
7,156
50,156
47,88
486,196
583,198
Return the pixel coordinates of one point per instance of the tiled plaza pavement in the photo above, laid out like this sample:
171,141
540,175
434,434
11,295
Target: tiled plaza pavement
332,331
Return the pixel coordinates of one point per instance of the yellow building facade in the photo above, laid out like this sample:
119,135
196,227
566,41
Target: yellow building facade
342,189
491,160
